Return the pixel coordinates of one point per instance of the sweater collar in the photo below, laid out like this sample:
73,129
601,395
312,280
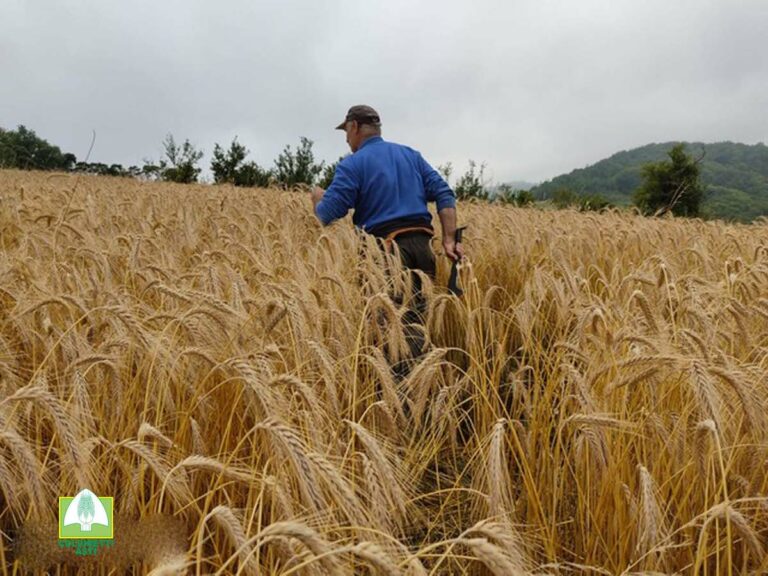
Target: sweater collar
369,141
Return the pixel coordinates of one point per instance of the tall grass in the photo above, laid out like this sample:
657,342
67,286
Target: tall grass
594,403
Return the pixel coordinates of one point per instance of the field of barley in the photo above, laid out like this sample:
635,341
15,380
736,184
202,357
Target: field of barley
219,363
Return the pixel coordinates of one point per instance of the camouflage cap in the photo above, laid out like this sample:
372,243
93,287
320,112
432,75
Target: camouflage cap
363,114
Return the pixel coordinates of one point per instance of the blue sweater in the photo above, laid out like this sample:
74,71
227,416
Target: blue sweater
384,182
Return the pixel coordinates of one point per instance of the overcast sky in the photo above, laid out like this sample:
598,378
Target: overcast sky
534,88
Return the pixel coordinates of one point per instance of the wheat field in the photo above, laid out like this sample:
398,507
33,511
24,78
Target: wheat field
219,363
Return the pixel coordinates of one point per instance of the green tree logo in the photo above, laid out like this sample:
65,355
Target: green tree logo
85,512
85,516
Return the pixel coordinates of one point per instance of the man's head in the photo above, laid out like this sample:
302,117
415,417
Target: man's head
361,123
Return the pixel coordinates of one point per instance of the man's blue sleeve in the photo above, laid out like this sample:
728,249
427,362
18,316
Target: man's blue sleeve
436,187
340,196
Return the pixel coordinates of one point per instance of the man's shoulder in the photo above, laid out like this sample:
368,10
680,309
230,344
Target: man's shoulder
402,147
346,160
350,162
376,147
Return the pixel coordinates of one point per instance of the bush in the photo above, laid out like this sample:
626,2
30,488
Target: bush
593,202
671,185
251,174
472,183
326,178
507,195
101,169
230,167
181,164
564,198
299,167
23,149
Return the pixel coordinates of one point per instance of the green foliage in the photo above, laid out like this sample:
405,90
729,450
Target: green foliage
292,168
506,194
23,149
225,165
732,204
445,170
101,169
524,198
472,184
328,173
564,197
593,202
671,186
230,167
735,176
251,174
181,164
151,171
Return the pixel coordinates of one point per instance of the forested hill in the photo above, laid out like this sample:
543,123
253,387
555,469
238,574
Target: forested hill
735,175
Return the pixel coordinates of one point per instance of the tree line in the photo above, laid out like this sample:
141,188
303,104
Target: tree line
671,185
25,150
734,175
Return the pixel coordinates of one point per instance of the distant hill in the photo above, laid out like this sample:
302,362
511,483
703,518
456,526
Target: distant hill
736,177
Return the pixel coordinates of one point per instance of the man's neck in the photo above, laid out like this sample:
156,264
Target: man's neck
367,139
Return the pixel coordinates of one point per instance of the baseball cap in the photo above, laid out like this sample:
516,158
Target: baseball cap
363,114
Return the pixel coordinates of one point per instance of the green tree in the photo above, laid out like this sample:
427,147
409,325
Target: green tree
472,183
445,170
671,185
23,149
524,198
230,167
225,165
151,171
564,197
181,161
328,173
101,169
506,194
251,174
5,150
292,168
593,202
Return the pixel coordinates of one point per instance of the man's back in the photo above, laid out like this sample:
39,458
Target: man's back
387,185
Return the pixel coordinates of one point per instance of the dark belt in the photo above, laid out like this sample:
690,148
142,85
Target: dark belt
394,234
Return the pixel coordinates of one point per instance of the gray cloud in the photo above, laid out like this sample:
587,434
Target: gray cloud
532,87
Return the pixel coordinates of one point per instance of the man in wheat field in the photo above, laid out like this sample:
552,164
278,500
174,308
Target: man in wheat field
389,185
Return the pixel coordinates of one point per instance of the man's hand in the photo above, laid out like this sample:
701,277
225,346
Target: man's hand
453,250
317,195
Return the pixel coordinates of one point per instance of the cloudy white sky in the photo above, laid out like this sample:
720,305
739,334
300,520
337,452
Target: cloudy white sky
534,88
